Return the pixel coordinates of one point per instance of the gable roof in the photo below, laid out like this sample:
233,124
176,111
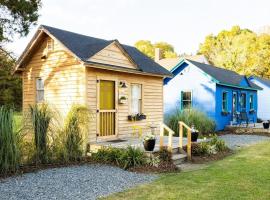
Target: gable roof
262,80
169,63
222,76
84,47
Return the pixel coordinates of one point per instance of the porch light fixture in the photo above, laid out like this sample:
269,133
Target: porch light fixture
123,84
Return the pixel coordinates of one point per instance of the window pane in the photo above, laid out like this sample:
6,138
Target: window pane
187,96
136,95
186,104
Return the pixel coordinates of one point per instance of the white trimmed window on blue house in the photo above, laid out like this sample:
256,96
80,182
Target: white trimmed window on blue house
243,101
251,102
186,100
224,101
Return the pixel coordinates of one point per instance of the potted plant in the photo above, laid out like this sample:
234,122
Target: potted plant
123,100
136,117
266,124
194,134
149,142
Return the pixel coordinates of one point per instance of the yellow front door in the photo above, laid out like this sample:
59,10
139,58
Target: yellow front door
107,109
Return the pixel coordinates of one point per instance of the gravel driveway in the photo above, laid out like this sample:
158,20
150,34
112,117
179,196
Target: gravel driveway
236,141
78,182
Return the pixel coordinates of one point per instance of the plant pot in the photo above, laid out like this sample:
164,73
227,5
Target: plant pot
266,125
194,136
149,145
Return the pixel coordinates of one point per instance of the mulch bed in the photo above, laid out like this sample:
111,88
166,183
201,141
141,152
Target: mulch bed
162,168
247,132
212,157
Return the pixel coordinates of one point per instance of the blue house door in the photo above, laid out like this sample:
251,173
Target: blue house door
234,106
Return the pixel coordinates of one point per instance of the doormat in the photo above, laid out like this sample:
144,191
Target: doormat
117,140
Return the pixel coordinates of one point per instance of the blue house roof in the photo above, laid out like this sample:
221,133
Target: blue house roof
220,76
85,46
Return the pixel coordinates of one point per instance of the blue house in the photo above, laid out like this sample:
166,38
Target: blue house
221,94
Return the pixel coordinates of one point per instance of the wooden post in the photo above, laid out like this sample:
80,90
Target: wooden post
180,135
161,134
170,141
189,145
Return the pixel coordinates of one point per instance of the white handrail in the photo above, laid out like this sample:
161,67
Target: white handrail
161,139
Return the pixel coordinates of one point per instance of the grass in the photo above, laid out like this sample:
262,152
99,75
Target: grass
17,120
244,175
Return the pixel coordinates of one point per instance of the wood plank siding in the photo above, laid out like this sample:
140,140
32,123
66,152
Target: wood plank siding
63,75
152,100
67,82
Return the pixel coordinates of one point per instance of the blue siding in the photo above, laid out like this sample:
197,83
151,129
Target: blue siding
224,120
206,94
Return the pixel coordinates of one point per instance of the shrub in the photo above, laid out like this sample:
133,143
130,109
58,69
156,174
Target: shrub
165,155
125,158
191,117
9,150
221,146
41,117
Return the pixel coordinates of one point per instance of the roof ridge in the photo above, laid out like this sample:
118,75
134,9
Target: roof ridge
75,33
216,67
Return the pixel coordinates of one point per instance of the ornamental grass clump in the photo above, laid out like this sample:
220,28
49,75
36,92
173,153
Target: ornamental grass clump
190,117
71,145
41,117
9,148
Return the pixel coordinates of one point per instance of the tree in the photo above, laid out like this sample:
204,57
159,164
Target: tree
16,17
146,47
10,85
240,50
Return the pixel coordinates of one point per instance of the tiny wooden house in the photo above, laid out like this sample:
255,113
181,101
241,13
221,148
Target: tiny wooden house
121,86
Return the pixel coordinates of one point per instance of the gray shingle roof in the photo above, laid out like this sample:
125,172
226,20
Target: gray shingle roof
224,76
85,46
263,80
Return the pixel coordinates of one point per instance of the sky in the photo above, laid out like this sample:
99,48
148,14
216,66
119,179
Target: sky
182,23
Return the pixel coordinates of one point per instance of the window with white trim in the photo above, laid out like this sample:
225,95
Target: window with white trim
50,45
136,98
39,90
186,99
224,101
243,101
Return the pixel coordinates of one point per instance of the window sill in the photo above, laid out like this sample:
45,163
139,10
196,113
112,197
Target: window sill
225,113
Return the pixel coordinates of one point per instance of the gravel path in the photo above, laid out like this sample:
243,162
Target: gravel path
236,141
78,182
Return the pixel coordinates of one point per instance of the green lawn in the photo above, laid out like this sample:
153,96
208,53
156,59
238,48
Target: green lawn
244,175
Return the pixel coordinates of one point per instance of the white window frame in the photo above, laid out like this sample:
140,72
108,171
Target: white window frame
138,100
224,101
50,45
39,90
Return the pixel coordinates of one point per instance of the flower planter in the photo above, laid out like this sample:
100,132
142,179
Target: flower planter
137,117
266,125
149,145
194,136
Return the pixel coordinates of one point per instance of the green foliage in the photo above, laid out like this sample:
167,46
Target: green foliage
190,117
70,143
10,85
218,144
146,47
41,116
125,158
17,16
164,155
9,148
240,50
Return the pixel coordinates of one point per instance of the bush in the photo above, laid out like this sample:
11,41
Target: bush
41,117
124,158
164,155
9,148
190,117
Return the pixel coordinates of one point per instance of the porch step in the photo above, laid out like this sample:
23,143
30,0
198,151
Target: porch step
179,158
